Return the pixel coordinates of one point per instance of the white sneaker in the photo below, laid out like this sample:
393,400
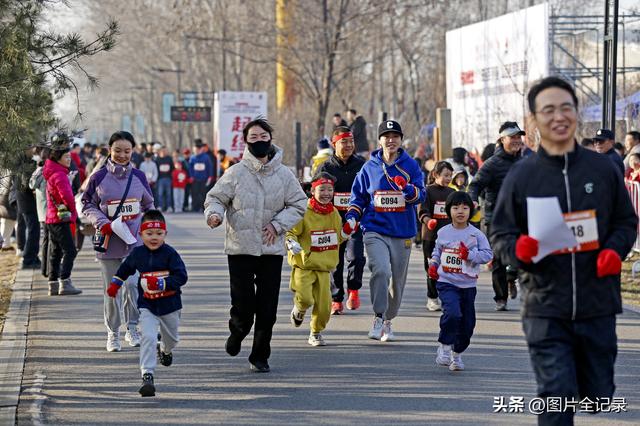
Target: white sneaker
132,337
387,333
376,329
316,340
113,342
444,355
456,362
433,304
297,317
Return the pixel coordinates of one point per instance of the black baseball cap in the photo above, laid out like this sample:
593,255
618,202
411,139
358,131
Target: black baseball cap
603,135
389,126
510,128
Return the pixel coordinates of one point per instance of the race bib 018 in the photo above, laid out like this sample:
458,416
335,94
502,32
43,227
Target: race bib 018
584,226
439,211
324,240
130,208
199,167
341,200
388,201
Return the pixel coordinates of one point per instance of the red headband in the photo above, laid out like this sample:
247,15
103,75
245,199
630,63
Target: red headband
153,225
321,181
336,138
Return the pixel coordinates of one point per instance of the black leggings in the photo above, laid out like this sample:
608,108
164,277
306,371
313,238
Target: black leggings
62,251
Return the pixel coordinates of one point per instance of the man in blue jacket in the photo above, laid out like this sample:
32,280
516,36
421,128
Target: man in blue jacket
201,171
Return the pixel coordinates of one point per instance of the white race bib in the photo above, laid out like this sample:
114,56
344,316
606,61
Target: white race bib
451,261
164,168
388,201
584,226
341,200
199,167
439,211
130,208
324,240
154,294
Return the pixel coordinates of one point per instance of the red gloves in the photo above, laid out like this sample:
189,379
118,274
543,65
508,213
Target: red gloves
526,248
433,272
432,224
464,251
350,226
106,229
608,263
115,285
400,181
155,283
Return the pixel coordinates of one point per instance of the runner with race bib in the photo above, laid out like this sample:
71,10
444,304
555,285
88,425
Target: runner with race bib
384,198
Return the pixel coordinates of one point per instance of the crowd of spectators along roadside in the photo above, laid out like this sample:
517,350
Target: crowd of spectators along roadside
179,179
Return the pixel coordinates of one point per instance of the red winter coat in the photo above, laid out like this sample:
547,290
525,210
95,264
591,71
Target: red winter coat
78,162
58,189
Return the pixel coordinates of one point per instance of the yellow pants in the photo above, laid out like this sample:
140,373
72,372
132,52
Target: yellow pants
312,288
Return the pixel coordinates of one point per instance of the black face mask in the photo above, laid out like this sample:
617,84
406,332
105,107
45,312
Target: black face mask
259,149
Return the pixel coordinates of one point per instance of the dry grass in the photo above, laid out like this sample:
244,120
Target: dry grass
630,286
8,267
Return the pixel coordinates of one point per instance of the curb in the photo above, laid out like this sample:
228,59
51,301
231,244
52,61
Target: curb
631,308
13,346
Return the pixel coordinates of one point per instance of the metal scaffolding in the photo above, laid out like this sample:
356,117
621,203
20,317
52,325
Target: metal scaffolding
569,34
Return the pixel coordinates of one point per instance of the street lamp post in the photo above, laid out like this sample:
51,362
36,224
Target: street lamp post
178,71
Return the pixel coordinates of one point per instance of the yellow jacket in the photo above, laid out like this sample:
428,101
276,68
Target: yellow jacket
320,237
477,216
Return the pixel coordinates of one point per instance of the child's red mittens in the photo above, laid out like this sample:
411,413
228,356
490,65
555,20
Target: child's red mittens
608,263
433,272
432,224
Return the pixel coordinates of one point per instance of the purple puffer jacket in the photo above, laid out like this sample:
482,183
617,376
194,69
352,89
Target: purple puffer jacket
104,192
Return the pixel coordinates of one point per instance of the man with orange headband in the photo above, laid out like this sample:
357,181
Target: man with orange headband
344,164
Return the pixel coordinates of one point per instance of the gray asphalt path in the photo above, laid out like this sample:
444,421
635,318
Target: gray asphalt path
70,379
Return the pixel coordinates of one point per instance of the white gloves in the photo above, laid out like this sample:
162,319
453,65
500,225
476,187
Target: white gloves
293,246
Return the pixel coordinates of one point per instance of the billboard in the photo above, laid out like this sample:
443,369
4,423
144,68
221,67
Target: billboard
231,112
490,67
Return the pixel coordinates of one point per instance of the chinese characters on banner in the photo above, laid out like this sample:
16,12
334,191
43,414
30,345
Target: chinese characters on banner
231,112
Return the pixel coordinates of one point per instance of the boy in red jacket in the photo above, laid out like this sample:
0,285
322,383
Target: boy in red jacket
180,179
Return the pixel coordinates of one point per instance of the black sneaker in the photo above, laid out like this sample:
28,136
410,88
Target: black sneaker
233,345
147,389
36,264
260,366
165,359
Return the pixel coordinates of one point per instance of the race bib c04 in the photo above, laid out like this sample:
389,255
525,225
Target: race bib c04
324,240
388,201
130,208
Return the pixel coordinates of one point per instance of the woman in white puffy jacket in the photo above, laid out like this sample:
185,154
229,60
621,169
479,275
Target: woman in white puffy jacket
261,200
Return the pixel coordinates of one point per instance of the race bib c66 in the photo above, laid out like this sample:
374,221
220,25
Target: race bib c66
450,261
439,211
341,200
130,208
388,201
324,240
584,226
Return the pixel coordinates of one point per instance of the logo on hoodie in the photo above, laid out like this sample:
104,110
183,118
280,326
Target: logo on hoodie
588,187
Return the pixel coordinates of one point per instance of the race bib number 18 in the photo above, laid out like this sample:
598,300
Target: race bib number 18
388,201
130,208
584,226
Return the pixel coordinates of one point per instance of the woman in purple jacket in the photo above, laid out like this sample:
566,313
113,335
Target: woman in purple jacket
105,191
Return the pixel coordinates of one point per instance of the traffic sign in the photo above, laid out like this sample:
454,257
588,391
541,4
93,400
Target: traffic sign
197,114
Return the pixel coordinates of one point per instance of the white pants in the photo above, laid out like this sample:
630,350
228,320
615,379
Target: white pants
114,306
6,229
148,326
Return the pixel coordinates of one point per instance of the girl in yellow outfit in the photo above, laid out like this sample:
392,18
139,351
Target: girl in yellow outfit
313,246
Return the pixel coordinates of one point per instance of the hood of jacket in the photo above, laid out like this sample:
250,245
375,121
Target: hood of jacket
52,167
118,170
376,157
256,166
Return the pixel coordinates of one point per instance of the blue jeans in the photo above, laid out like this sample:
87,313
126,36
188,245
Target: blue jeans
571,359
351,252
165,194
458,315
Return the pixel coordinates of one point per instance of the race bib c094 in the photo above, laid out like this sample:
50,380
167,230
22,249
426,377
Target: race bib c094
388,201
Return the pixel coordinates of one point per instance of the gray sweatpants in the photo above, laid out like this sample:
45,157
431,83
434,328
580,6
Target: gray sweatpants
388,260
113,307
149,324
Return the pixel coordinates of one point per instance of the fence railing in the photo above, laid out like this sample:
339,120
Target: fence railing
634,193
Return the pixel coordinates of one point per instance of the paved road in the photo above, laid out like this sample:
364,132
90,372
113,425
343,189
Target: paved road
70,379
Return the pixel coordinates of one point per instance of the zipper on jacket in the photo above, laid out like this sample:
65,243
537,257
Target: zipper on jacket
565,172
